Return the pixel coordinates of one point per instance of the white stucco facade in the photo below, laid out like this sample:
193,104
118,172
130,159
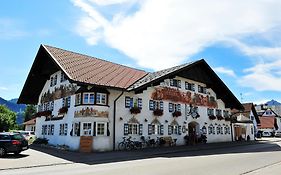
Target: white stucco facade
60,129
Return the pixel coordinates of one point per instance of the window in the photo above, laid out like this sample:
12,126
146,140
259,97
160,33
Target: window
63,129
190,86
78,99
225,113
55,80
155,129
87,129
210,112
76,129
66,101
219,129
132,128
52,105
227,130
175,83
171,107
218,112
88,98
44,129
62,77
101,128
202,89
211,129
128,102
101,98
155,105
51,83
140,103
174,129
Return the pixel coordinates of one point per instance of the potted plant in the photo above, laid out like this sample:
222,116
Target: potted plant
43,113
219,117
158,112
135,110
212,117
176,114
63,110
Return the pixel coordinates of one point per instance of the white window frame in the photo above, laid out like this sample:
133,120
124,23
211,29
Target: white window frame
156,129
97,128
133,128
78,99
89,97
100,100
87,131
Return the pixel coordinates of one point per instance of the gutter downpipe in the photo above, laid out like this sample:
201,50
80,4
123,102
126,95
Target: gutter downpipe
114,119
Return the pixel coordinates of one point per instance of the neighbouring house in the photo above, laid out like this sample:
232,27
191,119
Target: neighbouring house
30,125
246,122
81,97
269,119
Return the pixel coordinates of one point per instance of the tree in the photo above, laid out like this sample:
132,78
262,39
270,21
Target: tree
7,119
29,112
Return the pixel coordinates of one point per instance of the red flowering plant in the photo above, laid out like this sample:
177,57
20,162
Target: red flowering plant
219,117
63,110
176,114
212,117
158,112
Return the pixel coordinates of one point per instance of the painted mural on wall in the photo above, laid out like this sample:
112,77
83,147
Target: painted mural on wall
90,112
175,95
62,91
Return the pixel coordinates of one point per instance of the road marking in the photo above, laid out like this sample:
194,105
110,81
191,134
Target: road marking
269,165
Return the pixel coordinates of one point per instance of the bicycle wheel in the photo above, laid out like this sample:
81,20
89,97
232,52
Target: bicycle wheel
121,146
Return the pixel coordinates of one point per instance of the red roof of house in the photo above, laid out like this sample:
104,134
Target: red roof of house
91,70
30,122
266,122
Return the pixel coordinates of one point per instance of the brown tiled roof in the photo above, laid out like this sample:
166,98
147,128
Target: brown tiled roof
91,70
266,122
30,122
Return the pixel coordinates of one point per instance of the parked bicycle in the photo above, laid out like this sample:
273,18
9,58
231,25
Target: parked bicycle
128,144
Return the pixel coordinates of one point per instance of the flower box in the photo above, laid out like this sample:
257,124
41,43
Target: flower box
135,110
158,112
227,119
219,117
63,110
212,117
43,113
176,114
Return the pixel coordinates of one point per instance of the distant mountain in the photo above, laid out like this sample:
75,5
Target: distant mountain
273,103
12,105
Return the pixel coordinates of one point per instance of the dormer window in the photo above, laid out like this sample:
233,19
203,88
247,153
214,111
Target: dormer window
101,98
88,98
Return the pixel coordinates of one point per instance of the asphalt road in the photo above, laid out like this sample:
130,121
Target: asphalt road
249,159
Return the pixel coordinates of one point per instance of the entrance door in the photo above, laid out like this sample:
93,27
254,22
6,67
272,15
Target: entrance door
193,132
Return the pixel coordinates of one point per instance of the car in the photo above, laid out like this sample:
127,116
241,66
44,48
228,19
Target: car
12,143
277,134
266,134
27,134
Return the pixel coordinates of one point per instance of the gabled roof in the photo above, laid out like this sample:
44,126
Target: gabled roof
248,107
86,70
79,68
198,71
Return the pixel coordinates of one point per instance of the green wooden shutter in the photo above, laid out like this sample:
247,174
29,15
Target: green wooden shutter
94,129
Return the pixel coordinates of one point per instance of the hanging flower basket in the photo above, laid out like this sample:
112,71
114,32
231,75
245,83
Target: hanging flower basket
158,112
227,119
43,113
63,110
219,117
135,110
212,117
176,114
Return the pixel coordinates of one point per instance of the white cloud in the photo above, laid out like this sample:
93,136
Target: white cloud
263,77
10,29
165,33
226,71
3,88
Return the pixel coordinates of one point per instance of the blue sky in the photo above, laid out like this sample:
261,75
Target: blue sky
240,40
